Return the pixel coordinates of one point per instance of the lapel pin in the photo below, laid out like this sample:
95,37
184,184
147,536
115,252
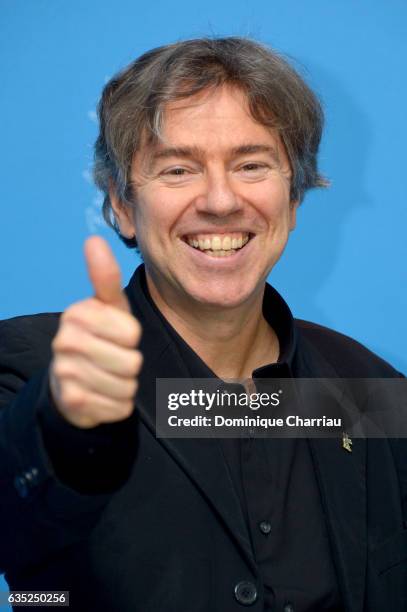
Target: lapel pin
346,442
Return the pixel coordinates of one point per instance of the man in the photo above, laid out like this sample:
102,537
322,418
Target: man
205,151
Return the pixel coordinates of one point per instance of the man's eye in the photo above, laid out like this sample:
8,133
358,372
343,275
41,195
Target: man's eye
254,167
175,172
177,175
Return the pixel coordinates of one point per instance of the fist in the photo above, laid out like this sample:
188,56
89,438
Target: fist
95,363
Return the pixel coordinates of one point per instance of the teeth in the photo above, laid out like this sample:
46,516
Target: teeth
216,244
227,243
220,253
219,244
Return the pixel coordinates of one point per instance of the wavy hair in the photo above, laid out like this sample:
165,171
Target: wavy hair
133,102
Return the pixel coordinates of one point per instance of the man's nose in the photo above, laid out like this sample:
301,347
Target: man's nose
219,197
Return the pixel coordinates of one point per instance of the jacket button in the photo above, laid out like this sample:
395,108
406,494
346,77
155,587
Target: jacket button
246,593
265,527
32,477
26,481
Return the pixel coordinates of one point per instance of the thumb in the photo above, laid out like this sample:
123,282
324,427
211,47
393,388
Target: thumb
104,273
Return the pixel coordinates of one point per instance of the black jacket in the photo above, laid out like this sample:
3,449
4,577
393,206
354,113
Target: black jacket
170,536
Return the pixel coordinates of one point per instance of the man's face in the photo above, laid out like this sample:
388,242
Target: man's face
212,213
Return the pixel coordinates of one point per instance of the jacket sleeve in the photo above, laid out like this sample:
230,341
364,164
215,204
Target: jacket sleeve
55,479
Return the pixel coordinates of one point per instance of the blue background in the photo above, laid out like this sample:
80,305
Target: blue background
345,265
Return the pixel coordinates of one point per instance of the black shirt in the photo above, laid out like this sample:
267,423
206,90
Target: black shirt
274,478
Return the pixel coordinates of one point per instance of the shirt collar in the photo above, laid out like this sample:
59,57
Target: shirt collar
279,317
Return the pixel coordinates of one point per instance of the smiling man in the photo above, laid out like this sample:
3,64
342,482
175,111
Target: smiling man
213,216
206,149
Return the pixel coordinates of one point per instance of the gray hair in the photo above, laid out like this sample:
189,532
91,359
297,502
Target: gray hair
133,102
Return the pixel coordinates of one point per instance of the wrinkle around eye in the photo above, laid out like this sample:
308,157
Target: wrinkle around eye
177,175
254,171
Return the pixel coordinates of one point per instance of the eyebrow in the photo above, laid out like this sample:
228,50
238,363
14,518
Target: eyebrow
198,153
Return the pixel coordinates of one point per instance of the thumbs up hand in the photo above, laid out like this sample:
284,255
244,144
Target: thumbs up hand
93,372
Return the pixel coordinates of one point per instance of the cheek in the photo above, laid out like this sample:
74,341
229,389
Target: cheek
275,212
154,218
167,207
271,198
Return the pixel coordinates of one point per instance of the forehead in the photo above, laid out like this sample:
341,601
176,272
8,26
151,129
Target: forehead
208,114
213,122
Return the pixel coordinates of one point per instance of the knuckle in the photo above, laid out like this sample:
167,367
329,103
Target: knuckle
127,409
65,315
58,342
73,397
69,339
134,387
131,388
85,422
134,330
81,312
135,362
62,343
61,369
72,311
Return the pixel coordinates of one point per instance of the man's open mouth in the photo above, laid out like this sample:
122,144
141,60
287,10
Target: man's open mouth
218,245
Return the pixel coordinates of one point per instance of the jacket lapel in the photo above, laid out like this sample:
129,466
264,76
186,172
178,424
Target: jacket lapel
202,459
341,477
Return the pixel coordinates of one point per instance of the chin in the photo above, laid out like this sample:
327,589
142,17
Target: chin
220,296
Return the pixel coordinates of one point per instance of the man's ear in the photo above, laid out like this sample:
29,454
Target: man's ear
122,213
293,213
